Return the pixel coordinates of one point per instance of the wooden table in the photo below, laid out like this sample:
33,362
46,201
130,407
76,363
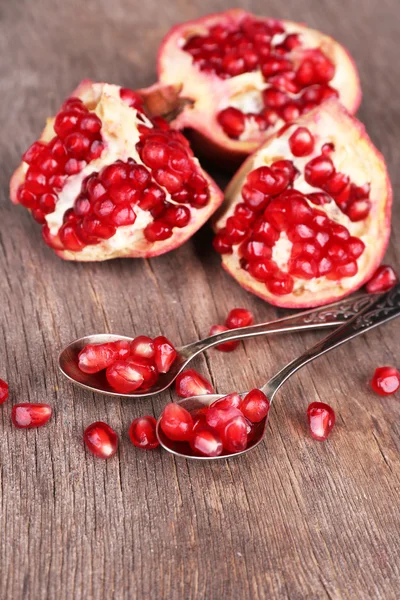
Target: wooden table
295,518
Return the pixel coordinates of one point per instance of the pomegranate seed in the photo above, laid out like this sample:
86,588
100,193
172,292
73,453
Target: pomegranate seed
123,215
191,383
146,368
218,418
101,440
319,170
301,142
239,317
123,349
321,419
232,121
133,99
143,346
225,346
156,231
230,401
221,244
34,152
280,284
234,435
3,391
255,406
155,154
386,381
27,416
91,123
124,377
142,433
206,442
96,357
176,422
177,216
164,354
382,280
152,196
69,237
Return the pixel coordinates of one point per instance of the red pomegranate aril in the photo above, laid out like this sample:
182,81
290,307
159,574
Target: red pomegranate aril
142,433
273,65
232,121
123,215
155,154
319,198
225,346
382,280
318,170
253,198
262,269
254,250
69,237
3,391
96,357
101,440
114,174
191,383
217,417
146,368
321,419
94,227
206,442
280,284
27,416
230,401
301,142
386,381
151,197
65,123
236,229
157,230
176,423
47,203
177,216
255,406
239,317
133,99
303,267
164,354
34,152
222,245
143,346
103,208
123,348
358,210
124,377
234,435
355,247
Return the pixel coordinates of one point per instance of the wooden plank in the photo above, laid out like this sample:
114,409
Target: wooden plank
294,519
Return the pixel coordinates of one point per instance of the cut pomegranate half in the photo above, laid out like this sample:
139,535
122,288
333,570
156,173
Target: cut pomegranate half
244,77
105,180
303,231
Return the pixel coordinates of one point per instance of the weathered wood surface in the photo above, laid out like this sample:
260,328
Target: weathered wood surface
294,519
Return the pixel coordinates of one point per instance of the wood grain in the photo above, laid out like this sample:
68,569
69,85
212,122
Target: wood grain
294,519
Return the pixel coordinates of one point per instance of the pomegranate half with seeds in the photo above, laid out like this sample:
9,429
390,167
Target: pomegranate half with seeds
106,180
307,217
243,77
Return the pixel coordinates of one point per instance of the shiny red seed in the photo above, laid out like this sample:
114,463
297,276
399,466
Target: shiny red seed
123,215
386,381
27,416
318,170
234,435
255,406
172,182
143,346
124,377
225,346
142,433
230,401
146,368
164,354
221,244
280,284
218,417
157,230
69,237
321,419
114,174
133,99
3,391
206,442
34,152
123,348
232,121
177,216
152,197
96,357
101,440
239,317
382,280
176,422
301,142
191,383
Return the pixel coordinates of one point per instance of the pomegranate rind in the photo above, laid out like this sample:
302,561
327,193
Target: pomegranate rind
329,122
207,95
101,98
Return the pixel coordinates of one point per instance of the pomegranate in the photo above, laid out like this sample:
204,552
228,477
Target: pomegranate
302,230
255,406
243,77
382,280
105,180
27,416
142,433
239,317
386,381
321,419
3,391
101,440
176,422
206,442
191,383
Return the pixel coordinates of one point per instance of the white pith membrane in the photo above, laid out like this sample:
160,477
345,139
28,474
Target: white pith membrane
355,156
212,94
120,135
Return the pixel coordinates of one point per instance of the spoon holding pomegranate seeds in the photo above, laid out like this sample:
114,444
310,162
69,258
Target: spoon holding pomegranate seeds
76,360
217,426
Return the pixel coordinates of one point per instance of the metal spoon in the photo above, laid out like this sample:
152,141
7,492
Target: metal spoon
328,316
378,311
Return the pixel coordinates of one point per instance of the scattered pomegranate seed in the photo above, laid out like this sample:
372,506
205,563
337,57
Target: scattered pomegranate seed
3,391
27,416
255,406
301,142
321,419
191,383
386,381
239,317
232,121
164,354
101,440
206,442
382,280
225,346
176,422
142,433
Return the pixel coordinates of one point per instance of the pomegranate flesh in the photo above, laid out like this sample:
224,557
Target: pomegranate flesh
105,180
302,230
243,77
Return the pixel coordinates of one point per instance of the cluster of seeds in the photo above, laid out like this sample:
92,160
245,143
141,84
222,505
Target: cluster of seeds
272,210
297,78
129,366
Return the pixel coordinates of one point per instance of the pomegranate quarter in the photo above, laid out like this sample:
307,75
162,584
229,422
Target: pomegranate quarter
307,217
245,76
105,180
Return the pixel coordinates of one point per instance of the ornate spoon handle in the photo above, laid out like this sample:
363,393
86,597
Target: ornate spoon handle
380,310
